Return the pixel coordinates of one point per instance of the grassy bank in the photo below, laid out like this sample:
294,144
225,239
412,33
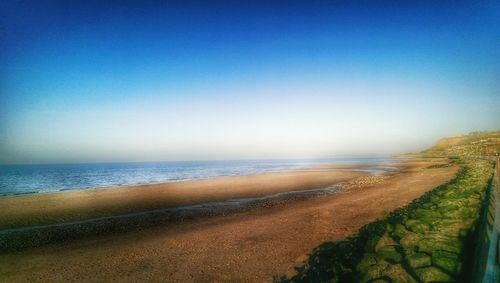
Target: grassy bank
426,241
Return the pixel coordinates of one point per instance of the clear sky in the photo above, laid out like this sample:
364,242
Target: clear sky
85,81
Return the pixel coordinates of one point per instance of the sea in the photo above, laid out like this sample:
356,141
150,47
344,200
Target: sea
39,178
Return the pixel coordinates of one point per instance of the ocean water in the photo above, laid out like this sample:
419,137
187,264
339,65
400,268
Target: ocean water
26,179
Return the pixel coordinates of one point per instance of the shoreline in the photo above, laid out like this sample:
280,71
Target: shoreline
89,213
373,171
65,206
366,168
18,236
19,180
222,247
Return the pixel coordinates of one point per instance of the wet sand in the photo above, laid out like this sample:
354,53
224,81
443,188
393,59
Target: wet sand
49,208
248,246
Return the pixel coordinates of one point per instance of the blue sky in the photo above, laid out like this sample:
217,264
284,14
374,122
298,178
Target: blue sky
84,81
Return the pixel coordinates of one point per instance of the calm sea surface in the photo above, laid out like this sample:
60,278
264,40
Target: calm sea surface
25,179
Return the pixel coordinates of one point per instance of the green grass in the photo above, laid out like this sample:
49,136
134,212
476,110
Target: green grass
426,241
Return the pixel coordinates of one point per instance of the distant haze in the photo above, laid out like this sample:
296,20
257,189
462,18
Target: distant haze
83,81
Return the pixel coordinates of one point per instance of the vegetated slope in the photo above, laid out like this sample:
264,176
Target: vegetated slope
476,144
427,241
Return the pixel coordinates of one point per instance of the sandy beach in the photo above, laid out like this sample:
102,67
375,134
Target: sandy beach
48,208
254,245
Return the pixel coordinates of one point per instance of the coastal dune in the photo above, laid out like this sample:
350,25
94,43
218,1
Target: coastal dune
51,208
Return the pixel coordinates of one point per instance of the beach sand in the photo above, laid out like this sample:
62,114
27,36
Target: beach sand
49,208
248,246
